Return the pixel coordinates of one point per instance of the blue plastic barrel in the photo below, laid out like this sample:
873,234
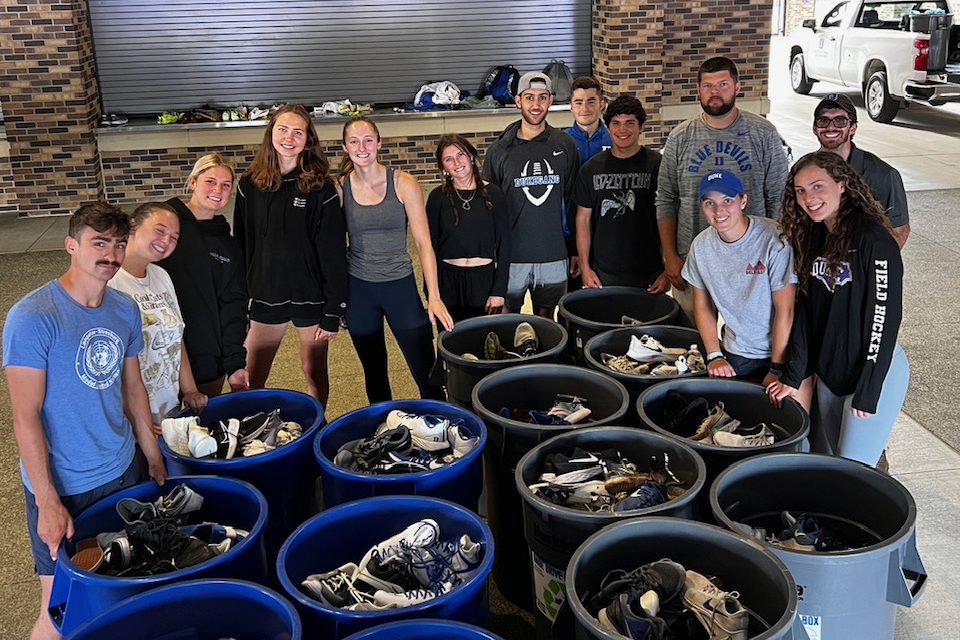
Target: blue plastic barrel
459,482
425,630
197,609
79,595
286,476
345,533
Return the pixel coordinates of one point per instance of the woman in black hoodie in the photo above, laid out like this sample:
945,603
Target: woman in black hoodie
289,222
209,277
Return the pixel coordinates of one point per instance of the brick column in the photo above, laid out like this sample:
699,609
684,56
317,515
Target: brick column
50,105
653,49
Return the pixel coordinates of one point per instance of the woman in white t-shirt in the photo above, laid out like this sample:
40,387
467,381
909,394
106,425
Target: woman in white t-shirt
154,231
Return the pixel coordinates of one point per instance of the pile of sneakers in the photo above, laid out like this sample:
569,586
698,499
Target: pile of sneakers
253,435
662,600
414,566
341,108
407,443
696,420
566,410
647,357
525,344
606,481
812,533
158,537
206,113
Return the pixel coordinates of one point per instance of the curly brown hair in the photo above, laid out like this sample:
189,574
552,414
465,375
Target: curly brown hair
458,141
313,164
810,239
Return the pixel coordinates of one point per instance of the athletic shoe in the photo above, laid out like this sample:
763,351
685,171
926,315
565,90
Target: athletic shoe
493,350
256,113
427,432
572,409
695,361
419,534
117,120
634,617
255,448
629,321
366,453
719,612
685,420
384,600
411,461
470,356
623,364
650,494
335,588
665,576
461,442
180,501
758,435
258,425
802,533
289,432
660,470
648,349
525,341
213,533
200,443
717,420
664,370
175,433
591,495
168,118
610,461
227,436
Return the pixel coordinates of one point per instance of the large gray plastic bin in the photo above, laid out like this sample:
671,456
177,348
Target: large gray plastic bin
763,582
843,594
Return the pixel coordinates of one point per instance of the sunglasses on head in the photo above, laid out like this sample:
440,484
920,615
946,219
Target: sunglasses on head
823,122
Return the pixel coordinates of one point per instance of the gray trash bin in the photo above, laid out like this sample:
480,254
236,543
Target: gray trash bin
763,582
842,594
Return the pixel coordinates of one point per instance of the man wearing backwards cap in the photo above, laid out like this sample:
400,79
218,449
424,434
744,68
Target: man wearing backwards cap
722,137
834,124
535,165
740,267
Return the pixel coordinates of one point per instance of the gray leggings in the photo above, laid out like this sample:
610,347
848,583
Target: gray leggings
835,431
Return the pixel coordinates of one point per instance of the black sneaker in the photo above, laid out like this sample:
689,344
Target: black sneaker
634,615
253,427
685,421
665,576
366,454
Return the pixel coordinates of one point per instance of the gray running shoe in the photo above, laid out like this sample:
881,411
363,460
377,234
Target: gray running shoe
718,611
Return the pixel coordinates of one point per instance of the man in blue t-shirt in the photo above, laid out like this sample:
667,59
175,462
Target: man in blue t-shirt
70,352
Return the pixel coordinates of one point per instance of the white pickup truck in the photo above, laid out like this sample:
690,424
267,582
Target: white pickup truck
895,52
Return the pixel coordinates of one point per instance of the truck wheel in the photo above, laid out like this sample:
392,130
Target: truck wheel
798,76
881,106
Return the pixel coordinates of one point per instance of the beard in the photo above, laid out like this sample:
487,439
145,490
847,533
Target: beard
718,110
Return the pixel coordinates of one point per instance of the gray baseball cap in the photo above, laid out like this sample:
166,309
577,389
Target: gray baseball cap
534,80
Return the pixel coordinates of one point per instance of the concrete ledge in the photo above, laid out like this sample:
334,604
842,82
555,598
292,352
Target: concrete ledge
4,149
133,138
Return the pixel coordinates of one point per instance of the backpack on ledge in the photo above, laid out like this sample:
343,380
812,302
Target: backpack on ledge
561,78
500,83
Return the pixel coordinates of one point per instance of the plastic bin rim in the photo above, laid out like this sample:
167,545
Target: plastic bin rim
539,503
637,330
259,525
294,590
279,452
573,598
593,324
485,413
433,624
714,448
821,459
497,364
328,466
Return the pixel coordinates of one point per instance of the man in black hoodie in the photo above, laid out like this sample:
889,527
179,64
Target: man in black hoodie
535,165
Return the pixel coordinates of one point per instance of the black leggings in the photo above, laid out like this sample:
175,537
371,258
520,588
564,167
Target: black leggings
398,302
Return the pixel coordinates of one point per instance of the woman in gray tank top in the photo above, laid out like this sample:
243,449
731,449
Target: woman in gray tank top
380,204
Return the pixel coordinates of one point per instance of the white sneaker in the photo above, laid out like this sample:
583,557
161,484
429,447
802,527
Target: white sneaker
756,436
200,443
427,432
384,600
418,534
678,368
460,441
648,349
175,433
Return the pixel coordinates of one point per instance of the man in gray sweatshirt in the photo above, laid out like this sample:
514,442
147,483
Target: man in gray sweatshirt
535,165
722,137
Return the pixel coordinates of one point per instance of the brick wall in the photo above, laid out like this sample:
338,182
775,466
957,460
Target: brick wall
50,105
50,99
158,174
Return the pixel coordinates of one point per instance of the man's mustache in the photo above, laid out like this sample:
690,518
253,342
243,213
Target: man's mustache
109,263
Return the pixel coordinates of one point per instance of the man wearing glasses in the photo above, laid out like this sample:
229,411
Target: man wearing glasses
834,124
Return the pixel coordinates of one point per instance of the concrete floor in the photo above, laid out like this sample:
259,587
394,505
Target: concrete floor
921,143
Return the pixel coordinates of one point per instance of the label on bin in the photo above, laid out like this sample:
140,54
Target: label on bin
548,586
813,625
